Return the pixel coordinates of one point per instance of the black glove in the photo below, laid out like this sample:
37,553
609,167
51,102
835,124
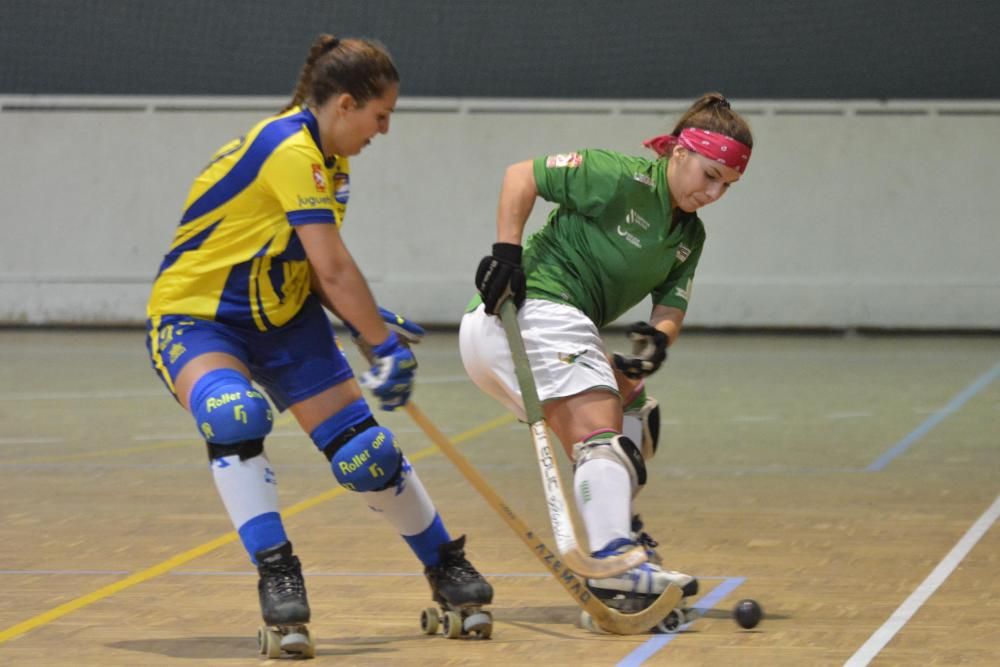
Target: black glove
649,351
500,276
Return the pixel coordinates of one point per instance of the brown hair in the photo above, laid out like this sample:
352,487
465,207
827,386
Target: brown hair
712,112
359,67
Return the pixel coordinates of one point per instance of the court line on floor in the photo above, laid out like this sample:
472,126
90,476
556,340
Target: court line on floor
36,440
953,406
165,443
128,394
912,604
202,549
252,573
649,648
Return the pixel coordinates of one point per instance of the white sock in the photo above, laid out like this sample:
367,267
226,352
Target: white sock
248,488
604,499
406,504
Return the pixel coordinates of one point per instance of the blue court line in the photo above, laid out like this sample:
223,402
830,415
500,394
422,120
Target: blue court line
935,419
648,649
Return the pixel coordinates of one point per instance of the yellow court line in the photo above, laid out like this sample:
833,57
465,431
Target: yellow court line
208,547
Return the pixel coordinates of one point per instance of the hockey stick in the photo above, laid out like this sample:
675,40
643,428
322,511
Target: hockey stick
562,522
607,619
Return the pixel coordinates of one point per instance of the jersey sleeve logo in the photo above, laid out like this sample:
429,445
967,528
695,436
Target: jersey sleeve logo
564,160
341,187
319,178
684,292
683,252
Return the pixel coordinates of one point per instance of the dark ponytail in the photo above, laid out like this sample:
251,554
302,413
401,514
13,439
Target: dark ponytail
713,112
359,67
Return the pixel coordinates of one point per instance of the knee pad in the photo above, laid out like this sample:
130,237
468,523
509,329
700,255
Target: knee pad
368,461
616,448
228,410
362,454
246,449
646,418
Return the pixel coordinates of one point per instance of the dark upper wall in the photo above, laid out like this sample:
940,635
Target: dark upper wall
775,49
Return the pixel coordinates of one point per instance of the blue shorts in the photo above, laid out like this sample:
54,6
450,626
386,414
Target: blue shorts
292,363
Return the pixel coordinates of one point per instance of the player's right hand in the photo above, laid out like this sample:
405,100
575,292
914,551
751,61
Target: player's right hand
392,373
649,351
500,277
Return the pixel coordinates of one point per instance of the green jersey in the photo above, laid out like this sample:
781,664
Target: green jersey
610,242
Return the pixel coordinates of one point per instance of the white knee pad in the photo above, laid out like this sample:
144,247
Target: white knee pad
643,426
616,448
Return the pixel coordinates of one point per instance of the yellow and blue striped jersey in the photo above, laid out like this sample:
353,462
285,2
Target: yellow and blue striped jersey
235,257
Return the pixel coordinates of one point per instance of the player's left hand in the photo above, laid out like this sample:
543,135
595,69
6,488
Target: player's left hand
392,373
412,332
649,351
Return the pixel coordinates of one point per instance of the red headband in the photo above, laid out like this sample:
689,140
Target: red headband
712,145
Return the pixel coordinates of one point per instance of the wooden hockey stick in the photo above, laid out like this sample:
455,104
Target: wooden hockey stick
562,522
606,618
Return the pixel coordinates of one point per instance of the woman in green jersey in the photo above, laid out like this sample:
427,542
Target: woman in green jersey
624,227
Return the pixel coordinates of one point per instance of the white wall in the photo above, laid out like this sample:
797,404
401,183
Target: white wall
853,214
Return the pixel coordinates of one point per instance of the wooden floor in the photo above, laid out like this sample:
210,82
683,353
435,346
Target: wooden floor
829,478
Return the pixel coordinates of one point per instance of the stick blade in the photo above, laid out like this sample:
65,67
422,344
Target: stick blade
602,568
619,623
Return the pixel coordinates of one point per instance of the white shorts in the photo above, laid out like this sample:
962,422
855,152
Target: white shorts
564,348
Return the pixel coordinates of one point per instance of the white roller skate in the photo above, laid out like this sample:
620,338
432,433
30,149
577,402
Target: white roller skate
636,589
461,593
645,540
283,605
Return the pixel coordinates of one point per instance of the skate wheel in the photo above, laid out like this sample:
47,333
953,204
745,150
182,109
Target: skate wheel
268,642
430,620
451,624
587,622
309,650
674,620
297,641
480,622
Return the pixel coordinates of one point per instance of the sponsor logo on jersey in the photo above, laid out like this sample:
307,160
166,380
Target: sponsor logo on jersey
643,178
319,178
629,236
341,187
634,218
314,202
564,160
683,252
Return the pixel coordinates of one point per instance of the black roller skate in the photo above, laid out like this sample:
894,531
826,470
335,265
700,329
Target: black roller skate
461,592
283,604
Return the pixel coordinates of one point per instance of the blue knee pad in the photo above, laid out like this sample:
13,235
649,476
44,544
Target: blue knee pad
370,461
362,454
228,409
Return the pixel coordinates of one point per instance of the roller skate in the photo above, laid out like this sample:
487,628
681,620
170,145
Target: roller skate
461,592
283,605
646,541
638,588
